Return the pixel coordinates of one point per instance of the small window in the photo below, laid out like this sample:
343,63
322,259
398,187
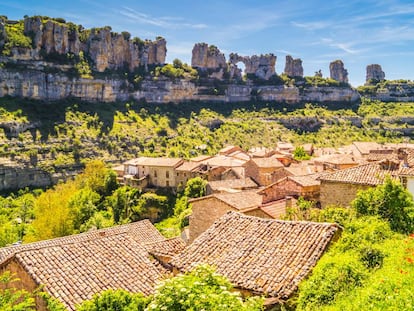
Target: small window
155,173
167,183
167,174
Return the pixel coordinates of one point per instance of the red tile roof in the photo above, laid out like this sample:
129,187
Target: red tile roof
242,183
74,272
267,257
267,162
75,267
141,231
367,174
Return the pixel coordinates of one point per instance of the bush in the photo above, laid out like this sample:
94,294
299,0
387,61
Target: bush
391,201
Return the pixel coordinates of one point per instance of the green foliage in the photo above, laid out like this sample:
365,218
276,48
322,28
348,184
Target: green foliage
123,201
300,154
331,277
83,68
177,70
83,204
115,300
391,201
201,289
15,38
195,187
12,299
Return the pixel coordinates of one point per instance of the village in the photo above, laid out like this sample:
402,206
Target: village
237,226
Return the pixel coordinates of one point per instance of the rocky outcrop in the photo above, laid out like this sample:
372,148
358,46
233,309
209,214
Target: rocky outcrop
293,67
374,73
394,92
206,56
338,72
16,176
2,33
106,49
261,66
40,85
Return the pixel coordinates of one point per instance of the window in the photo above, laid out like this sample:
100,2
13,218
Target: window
155,173
167,183
167,174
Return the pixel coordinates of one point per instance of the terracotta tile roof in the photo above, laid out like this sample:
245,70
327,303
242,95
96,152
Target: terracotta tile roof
188,166
168,248
224,161
382,154
241,155
367,174
365,147
301,169
146,161
264,256
228,149
260,152
267,162
306,181
242,183
141,231
407,171
74,272
277,209
200,158
242,200
336,159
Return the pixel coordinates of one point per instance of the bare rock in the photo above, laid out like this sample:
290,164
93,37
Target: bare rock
338,72
3,35
207,57
293,67
262,66
374,72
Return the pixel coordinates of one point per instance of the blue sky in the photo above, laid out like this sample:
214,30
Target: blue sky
357,32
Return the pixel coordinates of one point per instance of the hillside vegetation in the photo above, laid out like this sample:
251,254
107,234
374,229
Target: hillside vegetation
66,133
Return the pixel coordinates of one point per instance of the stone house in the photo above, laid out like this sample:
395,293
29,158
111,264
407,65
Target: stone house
260,256
306,187
158,172
188,170
340,187
335,162
264,171
206,210
74,268
229,185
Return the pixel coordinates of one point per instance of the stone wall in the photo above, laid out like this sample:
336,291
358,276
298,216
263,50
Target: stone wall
335,193
24,281
204,212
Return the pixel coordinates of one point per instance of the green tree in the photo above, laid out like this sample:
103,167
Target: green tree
83,205
195,187
201,289
391,201
300,154
122,202
115,300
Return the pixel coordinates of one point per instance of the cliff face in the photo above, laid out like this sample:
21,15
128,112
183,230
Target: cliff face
106,49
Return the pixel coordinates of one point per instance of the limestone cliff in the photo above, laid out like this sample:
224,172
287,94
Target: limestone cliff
261,66
105,49
206,56
293,67
338,72
374,73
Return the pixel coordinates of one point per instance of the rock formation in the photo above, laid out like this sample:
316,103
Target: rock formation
374,72
293,67
206,56
2,33
262,66
106,49
338,72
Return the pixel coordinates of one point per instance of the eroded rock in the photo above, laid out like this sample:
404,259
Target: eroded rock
206,56
293,67
374,72
262,66
338,72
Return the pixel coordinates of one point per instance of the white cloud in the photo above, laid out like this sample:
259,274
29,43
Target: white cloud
163,22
